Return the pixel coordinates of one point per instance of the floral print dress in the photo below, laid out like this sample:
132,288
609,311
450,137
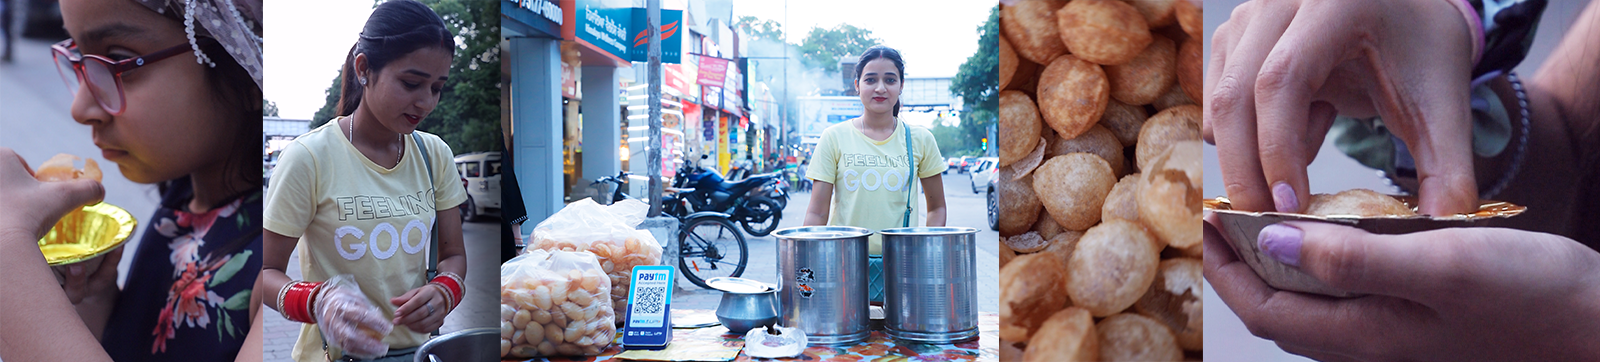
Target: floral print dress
187,295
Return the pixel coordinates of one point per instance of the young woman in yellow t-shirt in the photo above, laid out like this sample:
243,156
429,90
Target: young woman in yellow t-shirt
358,197
861,167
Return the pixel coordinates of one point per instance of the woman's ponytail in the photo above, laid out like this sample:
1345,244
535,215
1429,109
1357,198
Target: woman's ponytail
349,89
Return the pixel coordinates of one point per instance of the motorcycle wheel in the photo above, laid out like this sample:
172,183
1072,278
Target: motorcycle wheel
760,229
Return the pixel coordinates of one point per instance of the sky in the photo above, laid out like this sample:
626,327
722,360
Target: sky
302,60
934,37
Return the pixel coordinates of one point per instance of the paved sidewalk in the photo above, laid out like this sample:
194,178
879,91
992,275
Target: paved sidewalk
480,308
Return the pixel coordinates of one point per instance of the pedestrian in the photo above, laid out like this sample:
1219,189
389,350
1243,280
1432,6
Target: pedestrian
864,166
5,29
361,196
1428,81
172,95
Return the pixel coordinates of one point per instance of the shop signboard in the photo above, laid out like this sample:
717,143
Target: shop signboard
817,113
713,71
671,36
603,25
723,152
540,16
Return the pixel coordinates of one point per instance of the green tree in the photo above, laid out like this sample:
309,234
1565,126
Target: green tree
268,108
952,140
822,48
468,114
330,103
761,29
978,84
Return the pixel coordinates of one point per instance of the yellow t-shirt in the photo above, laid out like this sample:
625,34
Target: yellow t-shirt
869,177
355,217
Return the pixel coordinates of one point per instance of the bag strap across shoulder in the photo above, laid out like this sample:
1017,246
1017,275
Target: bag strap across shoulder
433,240
911,165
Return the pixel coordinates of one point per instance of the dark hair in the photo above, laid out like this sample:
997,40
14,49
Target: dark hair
394,29
239,102
882,52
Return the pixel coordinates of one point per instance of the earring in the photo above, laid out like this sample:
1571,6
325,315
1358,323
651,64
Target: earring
362,80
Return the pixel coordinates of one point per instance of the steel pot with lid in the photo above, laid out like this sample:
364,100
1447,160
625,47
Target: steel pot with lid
746,304
822,282
930,284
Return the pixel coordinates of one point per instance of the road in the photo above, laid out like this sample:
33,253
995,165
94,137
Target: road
480,308
965,209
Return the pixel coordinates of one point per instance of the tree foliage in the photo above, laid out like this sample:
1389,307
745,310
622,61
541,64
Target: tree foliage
761,29
268,108
329,104
823,48
468,114
978,82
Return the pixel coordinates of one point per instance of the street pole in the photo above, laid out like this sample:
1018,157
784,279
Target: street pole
653,9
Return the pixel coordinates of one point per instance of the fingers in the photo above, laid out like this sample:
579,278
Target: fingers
1289,78
1418,266
414,312
1443,151
1223,41
75,193
1357,326
1231,107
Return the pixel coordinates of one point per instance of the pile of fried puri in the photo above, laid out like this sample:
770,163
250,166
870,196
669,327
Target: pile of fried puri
1100,182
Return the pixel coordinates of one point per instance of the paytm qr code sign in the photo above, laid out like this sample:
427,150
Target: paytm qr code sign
649,323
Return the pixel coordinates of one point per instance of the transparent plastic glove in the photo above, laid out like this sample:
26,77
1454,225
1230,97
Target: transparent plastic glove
774,342
349,321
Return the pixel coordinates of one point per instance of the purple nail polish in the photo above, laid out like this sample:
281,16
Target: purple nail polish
1281,242
1283,197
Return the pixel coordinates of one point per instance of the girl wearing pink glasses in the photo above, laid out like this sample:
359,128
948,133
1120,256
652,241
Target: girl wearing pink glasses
172,92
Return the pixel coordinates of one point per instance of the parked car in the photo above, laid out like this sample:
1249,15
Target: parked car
967,163
482,173
993,196
986,169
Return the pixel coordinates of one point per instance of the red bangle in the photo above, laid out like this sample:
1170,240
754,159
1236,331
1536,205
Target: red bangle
450,283
297,302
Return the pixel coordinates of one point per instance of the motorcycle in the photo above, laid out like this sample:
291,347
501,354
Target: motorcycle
756,202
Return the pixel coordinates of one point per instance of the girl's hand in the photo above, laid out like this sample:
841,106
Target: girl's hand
1449,294
1279,71
348,321
91,278
30,207
422,309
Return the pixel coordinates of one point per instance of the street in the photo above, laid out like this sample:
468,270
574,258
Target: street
480,308
964,209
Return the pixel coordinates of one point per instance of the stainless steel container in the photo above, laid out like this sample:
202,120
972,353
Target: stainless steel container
822,282
746,304
930,284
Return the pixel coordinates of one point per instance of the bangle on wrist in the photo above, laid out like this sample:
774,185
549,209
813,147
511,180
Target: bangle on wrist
296,301
452,286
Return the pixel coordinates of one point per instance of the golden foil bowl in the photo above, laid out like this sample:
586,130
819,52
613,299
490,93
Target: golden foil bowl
87,233
1240,229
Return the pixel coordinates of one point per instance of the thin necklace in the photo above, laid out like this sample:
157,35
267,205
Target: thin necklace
352,128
